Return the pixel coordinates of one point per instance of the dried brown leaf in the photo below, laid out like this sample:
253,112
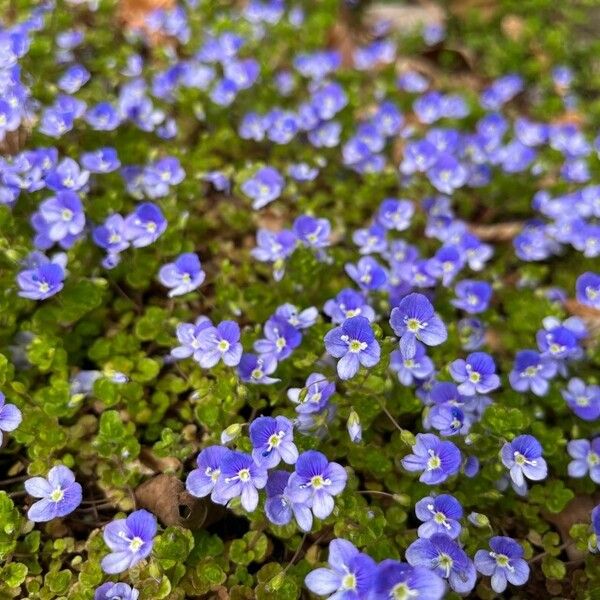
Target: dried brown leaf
498,232
166,497
576,511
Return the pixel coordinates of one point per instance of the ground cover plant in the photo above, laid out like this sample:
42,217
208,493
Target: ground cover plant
299,300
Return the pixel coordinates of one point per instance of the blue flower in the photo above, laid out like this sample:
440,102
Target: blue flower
280,340
300,319
446,264
371,240
41,282
60,218
412,81
111,236
596,529
395,579
59,492
440,514
256,369
116,591
558,343
414,319
420,366
323,479
103,160
280,508
472,296
275,247
350,575
588,289
347,304
367,273
531,372
395,214
328,100
436,459
130,540
354,344
273,441
476,375
159,176
313,233
182,276
447,174
583,400
302,172
145,225
505,563
449,420
240,478
586,457
103,117
188,335
10,416
201,481
442,555
471,332
263,187
314,396
66,176
523,457
219,343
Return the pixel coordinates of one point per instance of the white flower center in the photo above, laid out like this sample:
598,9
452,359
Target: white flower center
434,461
136,543
57,495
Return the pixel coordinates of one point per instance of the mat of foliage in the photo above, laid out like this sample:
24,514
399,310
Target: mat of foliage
290,283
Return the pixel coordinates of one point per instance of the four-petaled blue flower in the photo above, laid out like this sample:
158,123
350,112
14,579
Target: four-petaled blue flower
201,481
472,296
219,343
182,276
59,492
440,514
442,555
523,456
321,478
503,563
531,372
145,225
582,399
586,457
415,319
588,289
354,344
476,374
263,187
116,591
272,441
437,459
41,282
240,478
395,579
130,540
280,508
10,416
350,575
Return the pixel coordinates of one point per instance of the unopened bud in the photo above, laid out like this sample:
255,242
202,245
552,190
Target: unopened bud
229,434
354,427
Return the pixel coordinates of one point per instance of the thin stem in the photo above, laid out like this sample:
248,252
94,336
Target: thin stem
377,493
296,554
560,548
